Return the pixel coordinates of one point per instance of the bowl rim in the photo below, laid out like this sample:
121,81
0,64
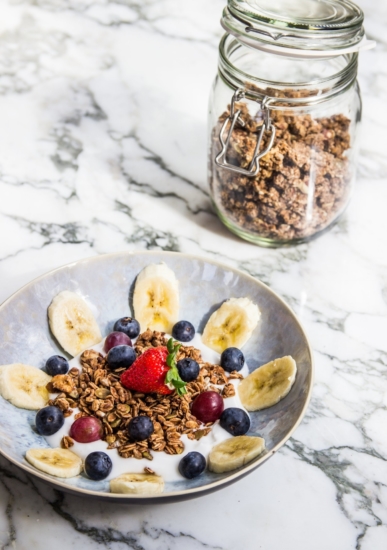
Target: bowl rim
195,491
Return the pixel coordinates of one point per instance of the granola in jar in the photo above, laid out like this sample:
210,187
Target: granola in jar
283,117
303,182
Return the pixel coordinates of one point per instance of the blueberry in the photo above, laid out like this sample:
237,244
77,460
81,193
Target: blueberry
232,359
235,421
49,420
140,428
183,331
192,465
121,357
98,465
130,326
188,369
57,365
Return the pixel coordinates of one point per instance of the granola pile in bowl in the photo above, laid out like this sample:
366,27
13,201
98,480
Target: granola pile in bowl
145,413
96,391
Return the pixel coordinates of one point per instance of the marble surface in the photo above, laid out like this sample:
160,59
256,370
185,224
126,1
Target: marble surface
103,148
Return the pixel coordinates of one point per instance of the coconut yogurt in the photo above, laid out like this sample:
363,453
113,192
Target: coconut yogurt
163,464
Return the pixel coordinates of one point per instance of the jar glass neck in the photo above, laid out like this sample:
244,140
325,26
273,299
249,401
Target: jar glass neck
299,81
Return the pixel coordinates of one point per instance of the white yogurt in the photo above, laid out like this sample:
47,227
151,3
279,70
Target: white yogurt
163,464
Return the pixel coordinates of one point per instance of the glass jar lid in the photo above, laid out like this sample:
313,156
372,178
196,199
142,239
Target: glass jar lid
297,28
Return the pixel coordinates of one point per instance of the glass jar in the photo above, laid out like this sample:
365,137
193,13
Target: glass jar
284,114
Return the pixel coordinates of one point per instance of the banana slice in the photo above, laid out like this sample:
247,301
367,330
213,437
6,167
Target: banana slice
234,453
72,323
231,325
24,386
137,484
268,384
156,298
57,462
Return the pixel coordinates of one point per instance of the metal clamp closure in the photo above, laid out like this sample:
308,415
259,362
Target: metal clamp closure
235,118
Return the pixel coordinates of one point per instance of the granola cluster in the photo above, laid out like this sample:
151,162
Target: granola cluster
303,181
98,392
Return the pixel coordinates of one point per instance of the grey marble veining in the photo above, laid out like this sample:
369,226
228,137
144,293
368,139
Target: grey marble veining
103,148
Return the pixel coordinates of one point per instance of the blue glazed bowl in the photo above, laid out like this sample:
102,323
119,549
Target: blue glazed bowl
107,282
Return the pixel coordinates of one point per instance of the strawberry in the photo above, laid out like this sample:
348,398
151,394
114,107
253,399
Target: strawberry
153,370
147,374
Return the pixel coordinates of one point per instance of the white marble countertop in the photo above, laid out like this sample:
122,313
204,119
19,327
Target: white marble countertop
103,148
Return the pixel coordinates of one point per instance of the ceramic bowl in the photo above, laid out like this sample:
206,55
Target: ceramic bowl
107,283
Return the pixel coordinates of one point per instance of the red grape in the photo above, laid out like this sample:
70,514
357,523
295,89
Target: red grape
208,406
86,429
116,339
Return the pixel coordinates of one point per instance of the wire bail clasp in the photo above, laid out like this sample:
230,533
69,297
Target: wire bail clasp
235,118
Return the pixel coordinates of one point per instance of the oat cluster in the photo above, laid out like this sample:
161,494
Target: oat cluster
98,392
303,182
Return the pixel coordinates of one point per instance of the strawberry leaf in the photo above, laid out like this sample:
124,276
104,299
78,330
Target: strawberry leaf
180,390
169,376
173,376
